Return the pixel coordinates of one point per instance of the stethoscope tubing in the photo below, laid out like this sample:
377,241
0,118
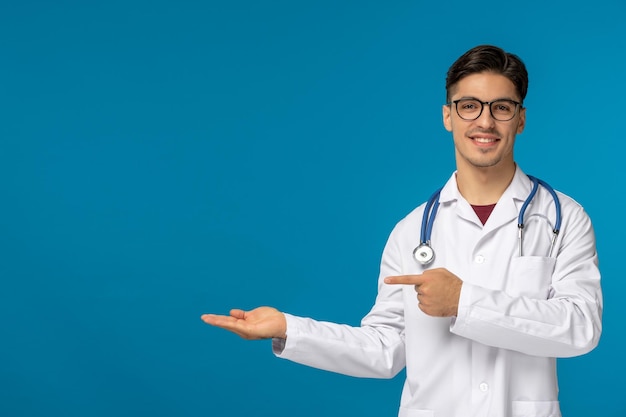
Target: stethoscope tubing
557,205
428,220
424,253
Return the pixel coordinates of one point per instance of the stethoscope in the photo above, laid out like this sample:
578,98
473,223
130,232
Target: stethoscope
424,252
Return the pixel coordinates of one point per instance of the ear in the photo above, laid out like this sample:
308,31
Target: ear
447,117
522,120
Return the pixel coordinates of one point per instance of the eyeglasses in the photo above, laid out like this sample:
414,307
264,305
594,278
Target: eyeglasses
471,108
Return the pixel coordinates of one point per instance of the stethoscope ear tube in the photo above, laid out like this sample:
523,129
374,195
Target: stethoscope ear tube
557,207
522,211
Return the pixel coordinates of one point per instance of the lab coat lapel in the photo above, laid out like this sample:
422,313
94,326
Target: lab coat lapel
508,207
450,194
506,210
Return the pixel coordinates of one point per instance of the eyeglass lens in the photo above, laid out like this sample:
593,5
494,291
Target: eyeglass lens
470,109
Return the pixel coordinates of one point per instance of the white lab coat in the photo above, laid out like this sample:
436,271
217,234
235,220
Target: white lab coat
515,316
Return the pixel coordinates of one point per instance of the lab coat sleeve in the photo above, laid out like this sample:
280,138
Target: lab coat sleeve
568,323
375,349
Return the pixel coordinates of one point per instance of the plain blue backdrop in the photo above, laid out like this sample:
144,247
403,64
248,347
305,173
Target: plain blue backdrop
160,160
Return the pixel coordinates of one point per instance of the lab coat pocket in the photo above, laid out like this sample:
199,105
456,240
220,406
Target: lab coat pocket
536,409
408,412
530,276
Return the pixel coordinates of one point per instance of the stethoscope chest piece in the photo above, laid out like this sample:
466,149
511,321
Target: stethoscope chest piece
424,254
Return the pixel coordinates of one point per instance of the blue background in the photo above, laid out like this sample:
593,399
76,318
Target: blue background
160,160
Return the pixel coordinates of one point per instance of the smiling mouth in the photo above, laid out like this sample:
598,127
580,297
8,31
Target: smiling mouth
484,140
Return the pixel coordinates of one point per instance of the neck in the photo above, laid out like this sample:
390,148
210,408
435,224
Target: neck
483,186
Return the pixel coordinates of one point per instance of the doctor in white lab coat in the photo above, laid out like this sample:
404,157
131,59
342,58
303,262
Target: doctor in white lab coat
480,328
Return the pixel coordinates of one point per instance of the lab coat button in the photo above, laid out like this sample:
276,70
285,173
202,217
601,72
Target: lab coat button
484,387
479,259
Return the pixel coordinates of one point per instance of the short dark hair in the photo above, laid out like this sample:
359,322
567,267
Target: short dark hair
489,58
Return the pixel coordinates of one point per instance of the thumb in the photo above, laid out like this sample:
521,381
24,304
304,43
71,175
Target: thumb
238,313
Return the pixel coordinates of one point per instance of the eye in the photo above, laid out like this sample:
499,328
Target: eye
503,106
469,105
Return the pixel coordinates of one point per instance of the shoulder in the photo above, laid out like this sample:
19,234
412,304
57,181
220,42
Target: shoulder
574,214
576,224
569,205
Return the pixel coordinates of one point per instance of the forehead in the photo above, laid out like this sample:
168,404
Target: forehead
486,86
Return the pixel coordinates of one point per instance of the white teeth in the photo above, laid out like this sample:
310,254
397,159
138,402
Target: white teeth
484,140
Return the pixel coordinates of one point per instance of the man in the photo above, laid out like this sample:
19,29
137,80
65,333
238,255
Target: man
479,327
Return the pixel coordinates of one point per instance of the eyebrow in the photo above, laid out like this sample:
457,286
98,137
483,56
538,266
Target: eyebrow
483,101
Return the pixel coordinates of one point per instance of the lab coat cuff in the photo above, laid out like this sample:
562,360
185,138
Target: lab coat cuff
465,302
279,345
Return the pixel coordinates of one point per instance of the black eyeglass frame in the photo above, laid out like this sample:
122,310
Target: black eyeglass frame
518,106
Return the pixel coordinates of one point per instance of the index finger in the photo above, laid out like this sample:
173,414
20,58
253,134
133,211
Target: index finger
405,279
